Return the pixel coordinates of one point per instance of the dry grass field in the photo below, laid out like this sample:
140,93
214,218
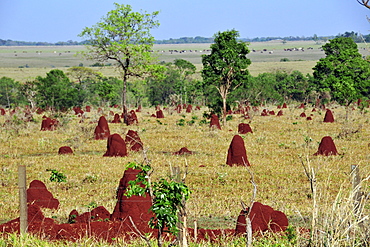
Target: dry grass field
274,151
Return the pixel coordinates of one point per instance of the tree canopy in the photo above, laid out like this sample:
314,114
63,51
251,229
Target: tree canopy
343,72
226,66
124,37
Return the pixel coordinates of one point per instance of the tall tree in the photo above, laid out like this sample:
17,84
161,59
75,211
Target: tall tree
124,37
226,66
56,91
9,91
186,69
343,72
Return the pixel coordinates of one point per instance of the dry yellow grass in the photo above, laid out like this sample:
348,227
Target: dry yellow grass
273,151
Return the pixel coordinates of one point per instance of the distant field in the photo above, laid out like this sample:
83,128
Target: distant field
26,62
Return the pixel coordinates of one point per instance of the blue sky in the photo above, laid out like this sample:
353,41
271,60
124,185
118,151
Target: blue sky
62,20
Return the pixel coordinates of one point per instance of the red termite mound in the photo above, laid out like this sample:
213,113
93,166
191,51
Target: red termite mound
97,214
280,113
2,111
327,147
215,122
284,106
102,129
329,118
159,114
244,128
303,114
38,194
189,108
131,118
183,151
48,124
237,155
65,150
116,146
136,207
116,118
263,218
133,141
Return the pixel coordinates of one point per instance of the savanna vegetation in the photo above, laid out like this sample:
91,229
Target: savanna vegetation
314,192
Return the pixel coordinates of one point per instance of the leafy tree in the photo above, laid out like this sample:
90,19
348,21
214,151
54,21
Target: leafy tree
343,72
226,66
124,37
56,91
9,92
185,69
107,89
160,90
82,74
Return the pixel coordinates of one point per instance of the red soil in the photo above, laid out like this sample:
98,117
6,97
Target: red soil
116,118
244,128
237,154
183,151
159,114
133,141
131,118
263,218
65,150
49,124
38,194
215,122
102,129
116,146
329,118
327,147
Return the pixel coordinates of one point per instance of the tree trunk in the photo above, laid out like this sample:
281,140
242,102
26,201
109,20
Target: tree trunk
224,109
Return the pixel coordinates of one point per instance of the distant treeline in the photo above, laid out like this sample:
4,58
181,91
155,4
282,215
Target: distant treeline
358,38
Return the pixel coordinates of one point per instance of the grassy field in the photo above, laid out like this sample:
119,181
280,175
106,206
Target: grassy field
25,63
274,151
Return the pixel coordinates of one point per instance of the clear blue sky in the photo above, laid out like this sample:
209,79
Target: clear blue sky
62,20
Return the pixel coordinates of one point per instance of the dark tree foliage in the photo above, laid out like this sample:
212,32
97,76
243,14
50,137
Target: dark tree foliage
343,72
56,91
226,67
10,94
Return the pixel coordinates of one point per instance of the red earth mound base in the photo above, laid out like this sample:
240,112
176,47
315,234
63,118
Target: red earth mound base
327,147
183,151
237,154
244,128
39,195
263,218
133,141
215,122
99,224
116,146
329,118
65,150
102,129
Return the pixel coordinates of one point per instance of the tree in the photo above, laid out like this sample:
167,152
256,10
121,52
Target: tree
343,72
364,3
124,37
226,66
9,91
56,91
185,69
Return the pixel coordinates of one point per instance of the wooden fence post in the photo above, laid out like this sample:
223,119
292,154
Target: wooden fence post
356,180
23,216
